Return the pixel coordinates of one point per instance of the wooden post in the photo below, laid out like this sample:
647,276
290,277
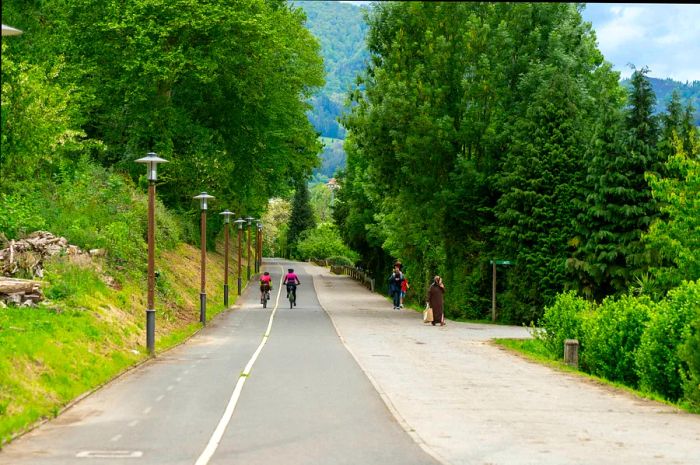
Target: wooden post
571,352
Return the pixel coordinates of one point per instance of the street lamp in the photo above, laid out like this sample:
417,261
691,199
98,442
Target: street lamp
203,197
227,219
239,222
259,246
250,221
151,161
10,31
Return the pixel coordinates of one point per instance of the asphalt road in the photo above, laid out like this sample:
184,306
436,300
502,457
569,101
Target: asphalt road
248,389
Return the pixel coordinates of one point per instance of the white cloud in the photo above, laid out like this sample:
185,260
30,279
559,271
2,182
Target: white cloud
664,37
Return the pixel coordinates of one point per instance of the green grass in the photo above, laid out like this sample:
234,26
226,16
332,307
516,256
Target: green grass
90,333
61,354
534,350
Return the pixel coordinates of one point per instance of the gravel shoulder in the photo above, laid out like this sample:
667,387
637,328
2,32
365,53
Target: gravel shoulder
466,401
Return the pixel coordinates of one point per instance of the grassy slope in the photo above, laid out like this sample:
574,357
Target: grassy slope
92,332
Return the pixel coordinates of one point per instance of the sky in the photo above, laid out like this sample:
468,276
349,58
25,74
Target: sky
663,37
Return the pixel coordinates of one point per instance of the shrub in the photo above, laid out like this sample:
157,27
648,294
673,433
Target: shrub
322,242
563,320
689,351
338,260
611,337
659,364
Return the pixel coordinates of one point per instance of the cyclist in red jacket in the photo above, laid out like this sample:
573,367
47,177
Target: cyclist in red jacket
265,284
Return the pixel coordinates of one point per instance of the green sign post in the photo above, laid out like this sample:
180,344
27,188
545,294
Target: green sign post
493,285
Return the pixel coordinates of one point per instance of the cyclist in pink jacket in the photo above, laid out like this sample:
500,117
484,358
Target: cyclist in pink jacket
291,280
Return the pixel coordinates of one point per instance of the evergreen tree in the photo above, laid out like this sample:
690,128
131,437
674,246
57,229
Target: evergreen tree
302,217
619,206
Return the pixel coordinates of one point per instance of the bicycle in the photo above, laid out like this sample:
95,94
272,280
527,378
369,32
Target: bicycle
292,295
265,297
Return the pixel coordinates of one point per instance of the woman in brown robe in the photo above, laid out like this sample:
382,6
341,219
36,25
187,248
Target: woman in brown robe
435,299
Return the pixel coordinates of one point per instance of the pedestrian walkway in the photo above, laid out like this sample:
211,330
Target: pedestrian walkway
467,401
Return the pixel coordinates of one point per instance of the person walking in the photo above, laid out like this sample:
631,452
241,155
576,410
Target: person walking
395,279
436,298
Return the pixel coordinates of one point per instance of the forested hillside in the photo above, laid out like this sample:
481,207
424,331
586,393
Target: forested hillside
341,30
688,92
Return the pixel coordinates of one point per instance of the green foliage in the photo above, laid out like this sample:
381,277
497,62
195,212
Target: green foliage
690,354
323,242
219,89
675,237
612,335
658,358
563,320
465,144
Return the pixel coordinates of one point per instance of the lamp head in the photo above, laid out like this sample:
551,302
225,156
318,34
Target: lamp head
227,216
151,160
203,197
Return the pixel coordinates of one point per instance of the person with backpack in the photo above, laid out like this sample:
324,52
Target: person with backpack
395,280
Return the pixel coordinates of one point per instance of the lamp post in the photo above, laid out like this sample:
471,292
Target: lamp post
259,245
239,222
203,197
227,219
250,221
151,161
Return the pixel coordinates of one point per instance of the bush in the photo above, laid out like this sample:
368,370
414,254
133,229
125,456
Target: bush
659,363
322,242
611,337
340,261
689,351
563,320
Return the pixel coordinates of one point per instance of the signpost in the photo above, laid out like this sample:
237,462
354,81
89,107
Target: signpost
493,285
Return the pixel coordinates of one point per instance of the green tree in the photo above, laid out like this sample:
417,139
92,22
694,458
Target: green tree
301,219
619,206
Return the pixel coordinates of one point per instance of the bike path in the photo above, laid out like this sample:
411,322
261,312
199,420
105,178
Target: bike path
304,400
467,401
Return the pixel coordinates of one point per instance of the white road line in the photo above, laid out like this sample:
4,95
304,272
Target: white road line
185,372
147,410
178,379
170,388
134,423
116,438
226,418
160,397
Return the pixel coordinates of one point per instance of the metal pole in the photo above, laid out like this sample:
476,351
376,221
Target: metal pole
248,258
257,250
239,259
493,293
150,310
226,265
203,292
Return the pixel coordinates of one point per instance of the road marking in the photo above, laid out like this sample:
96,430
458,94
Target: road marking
226,418
170,388
116,438
160,397
185,372
134,423
109,454
147,410
178,379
